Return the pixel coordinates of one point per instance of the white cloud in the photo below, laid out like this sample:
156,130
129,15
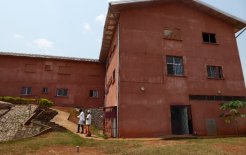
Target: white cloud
43,43
101,18
17,36
86,27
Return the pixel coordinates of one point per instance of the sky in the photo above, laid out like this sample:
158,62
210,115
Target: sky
73,27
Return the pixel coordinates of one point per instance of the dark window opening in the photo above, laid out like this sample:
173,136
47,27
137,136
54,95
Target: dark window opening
26,90
45,90
94,93
215,72
62,92
209,38
175,66
113,77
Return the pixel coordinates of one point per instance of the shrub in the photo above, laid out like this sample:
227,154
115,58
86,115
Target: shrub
44,103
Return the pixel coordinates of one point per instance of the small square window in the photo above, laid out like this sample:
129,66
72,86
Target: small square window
62,92
45,90
94,94
215,72
175,66
209,38
26,90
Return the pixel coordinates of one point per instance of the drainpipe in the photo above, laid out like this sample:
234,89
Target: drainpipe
241,33
118,81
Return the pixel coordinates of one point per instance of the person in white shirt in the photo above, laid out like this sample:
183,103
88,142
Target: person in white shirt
81,122
88,123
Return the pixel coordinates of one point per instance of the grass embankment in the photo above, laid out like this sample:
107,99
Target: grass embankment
66,143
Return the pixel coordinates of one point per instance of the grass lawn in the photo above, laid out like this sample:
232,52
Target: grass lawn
65,143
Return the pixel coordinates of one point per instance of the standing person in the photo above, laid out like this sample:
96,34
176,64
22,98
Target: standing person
81,121
88,123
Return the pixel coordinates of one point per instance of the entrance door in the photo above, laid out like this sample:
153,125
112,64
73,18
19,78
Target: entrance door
181,120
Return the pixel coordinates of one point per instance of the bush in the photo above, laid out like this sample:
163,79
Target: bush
43,103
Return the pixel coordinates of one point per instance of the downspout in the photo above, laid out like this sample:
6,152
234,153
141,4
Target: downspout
241,33
118,79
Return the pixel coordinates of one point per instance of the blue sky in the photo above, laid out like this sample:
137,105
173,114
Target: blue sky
73,27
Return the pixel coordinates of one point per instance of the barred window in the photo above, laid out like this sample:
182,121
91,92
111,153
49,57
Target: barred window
45,90
94,93
209,38
26,90
215,72
175,66
62,92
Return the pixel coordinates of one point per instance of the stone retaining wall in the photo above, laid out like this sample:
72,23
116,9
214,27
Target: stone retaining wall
12,121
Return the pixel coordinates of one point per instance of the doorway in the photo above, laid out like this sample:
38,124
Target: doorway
181,120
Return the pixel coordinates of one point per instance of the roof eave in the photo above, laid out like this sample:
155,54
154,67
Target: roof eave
110,26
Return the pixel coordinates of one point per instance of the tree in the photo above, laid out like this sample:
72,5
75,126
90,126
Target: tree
233,112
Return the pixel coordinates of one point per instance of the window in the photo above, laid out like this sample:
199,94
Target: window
26,90
172,33
94,93
62,92
45,90
215,72
209,38
175,66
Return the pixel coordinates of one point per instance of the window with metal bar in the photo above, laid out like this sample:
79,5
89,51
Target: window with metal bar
175,66
215,72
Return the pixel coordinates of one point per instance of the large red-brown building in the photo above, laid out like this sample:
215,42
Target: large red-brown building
164,68
66,81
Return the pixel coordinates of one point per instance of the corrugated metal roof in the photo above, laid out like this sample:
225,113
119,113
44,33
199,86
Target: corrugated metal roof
47,57
116,6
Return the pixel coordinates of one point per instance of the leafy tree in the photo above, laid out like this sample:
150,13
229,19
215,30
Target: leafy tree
232,111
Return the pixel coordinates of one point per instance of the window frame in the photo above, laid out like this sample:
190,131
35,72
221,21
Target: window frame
26,90
175,64
45,90
94,93
63,94
218,75
210,38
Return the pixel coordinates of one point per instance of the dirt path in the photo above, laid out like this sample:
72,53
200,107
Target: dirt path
62,119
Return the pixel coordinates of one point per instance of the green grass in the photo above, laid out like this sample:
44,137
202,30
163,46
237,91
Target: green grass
218,146
31,144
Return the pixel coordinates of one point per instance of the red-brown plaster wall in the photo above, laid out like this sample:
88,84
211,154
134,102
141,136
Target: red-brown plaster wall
111,96
143,64
83,77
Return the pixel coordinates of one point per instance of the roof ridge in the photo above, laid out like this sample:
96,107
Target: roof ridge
44,56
